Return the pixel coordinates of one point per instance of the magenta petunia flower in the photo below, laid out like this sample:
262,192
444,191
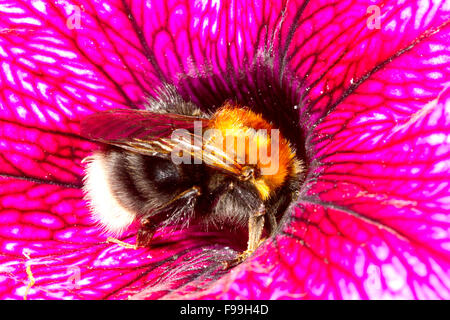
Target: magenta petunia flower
366,83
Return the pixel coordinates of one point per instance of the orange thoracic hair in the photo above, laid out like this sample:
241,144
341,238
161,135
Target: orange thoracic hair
236,122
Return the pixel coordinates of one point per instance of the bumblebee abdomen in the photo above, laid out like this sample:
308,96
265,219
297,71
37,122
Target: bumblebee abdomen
122,186
155,176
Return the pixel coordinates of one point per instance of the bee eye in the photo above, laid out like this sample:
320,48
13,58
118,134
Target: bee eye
247,173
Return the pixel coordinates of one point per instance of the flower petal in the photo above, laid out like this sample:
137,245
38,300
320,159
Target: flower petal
368,224
336,46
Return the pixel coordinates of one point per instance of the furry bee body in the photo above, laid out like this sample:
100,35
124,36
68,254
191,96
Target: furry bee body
141,182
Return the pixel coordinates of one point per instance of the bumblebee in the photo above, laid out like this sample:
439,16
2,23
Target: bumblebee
173,164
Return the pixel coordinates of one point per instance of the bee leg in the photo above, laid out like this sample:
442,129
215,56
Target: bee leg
150,222
145,233
255,230
121,243
272,223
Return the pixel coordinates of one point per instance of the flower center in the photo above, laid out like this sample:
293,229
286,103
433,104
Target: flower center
259,87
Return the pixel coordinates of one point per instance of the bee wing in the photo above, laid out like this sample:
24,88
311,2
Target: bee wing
151,134
125,124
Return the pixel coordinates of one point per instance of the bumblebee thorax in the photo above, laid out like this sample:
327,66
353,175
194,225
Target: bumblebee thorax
254,143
